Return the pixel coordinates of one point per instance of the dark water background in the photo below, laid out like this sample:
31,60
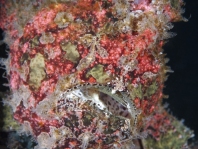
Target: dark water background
182,85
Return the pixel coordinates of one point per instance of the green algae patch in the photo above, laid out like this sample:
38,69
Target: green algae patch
135,91
34,42
71,52
63,19
151,89
173,138
98,73
88,118
175,4
8,121
37,71
24,58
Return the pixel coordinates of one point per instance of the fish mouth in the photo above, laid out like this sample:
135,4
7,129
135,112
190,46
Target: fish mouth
98,96
95,108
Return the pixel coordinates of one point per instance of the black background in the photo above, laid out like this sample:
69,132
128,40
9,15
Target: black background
182,85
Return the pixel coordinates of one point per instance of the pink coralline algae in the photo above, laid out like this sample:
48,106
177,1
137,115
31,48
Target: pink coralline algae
88,73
